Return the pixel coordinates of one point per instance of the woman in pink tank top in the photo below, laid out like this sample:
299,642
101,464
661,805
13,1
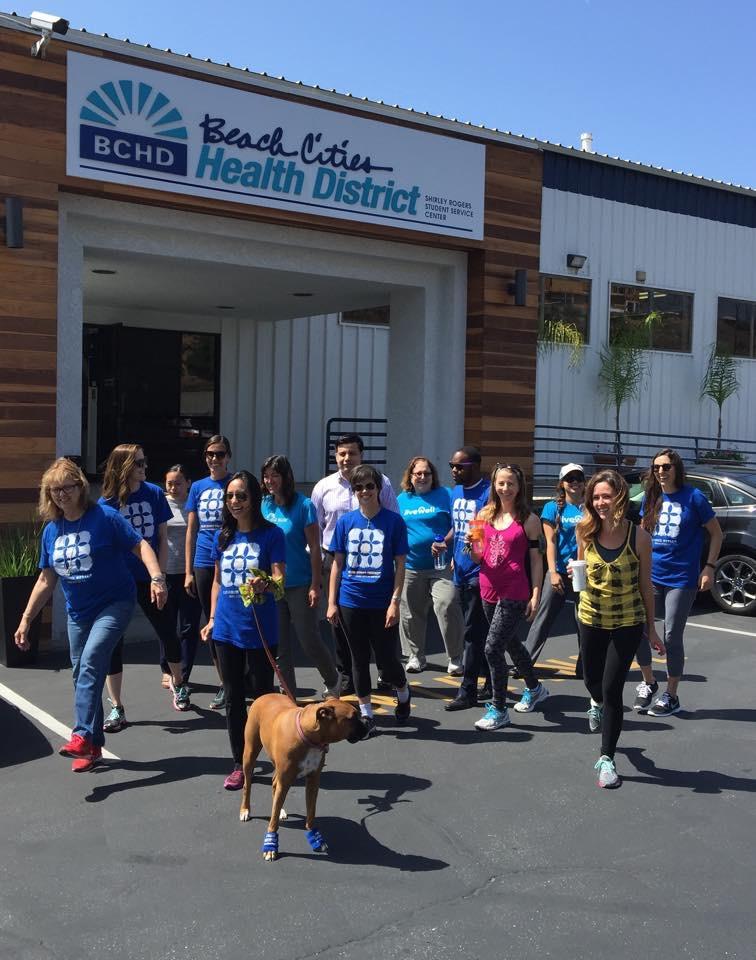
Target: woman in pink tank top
510,537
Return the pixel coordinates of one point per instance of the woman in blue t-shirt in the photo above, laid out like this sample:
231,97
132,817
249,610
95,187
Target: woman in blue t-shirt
295,516
86,546
676,516
559,518
143,504
370,549
425,507
204,510
245,542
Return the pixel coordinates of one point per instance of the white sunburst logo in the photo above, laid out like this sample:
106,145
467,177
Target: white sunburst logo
132,124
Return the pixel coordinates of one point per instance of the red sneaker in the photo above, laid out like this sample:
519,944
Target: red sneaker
82,764
77,746
235,779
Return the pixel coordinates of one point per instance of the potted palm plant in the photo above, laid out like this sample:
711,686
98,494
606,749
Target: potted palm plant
19,552
720,382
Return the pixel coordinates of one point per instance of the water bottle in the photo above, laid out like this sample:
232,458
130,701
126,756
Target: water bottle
439,559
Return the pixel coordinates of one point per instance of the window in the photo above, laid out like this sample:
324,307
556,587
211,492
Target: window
709,489
198,374
736,320
737,497
564,301
368,317
662,319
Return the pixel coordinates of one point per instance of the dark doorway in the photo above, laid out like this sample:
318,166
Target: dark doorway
158,388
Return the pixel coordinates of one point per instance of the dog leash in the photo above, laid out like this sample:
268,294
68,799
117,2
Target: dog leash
272,659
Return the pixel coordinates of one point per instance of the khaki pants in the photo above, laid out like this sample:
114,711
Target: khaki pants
421,589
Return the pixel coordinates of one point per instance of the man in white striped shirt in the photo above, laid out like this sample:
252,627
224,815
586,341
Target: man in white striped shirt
332,497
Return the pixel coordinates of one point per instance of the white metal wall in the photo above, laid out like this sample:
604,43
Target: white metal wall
307,371
677,252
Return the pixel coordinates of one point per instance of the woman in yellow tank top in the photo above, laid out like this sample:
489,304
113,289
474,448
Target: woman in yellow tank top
613,607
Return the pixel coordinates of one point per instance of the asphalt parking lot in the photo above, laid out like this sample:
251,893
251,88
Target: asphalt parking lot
444,842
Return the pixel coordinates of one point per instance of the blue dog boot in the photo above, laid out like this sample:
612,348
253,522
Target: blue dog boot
316,841
270,845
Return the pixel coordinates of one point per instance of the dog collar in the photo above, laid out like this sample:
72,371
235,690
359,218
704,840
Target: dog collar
303,736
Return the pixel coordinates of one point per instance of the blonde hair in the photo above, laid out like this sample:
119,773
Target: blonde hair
588,528
57,474
120,463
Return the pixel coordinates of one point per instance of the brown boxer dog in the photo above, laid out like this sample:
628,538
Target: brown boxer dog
296,739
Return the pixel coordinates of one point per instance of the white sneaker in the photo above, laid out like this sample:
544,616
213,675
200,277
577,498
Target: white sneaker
455,668
607,772
530,698
415,665
493,719
332,693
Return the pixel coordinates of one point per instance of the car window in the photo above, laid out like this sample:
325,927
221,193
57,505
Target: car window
737,497
709,488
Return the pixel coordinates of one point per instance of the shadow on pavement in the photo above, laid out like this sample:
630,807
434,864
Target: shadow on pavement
699,781
20,740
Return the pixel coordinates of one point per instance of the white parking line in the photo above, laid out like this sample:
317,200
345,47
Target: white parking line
41,716
706,626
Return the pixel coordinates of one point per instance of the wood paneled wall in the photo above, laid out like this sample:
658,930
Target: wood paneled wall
501,341
502,338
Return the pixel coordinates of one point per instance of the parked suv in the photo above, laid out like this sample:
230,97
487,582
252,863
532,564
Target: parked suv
732,494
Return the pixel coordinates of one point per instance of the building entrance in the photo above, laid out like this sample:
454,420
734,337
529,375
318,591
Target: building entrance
158,388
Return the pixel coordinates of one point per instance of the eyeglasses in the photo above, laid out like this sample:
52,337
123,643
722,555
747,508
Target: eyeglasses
461,465
140,463
359,487
67,489
236,496
421,473
215,454
574,478
662,467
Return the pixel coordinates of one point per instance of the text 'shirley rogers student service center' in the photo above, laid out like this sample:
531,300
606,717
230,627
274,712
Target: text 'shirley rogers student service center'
201,248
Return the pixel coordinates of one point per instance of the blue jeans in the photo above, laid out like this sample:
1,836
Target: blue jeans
91,646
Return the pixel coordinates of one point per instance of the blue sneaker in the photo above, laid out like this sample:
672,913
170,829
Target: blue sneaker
595,714
530,698
493,719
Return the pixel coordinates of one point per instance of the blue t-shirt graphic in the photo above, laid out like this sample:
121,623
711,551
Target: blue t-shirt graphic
466,502
145,509
206,500
89,556
369,548
427,515
234,623
292,522
677,540
566,541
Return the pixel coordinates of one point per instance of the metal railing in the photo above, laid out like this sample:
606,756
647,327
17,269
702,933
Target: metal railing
623,449
367,427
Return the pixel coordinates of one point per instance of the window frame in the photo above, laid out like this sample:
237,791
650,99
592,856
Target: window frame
549,275
751,303
651,290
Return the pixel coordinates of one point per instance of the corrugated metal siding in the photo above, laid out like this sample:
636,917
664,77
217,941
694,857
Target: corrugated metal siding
703,257
307,371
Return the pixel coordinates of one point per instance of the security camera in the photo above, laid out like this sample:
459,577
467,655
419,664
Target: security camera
49,22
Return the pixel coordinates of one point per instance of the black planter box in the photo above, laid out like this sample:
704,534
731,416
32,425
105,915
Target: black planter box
14,595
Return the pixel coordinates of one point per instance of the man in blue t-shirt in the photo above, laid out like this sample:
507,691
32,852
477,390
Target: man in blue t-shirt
470,493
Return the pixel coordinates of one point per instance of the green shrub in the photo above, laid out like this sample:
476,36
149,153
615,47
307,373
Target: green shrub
19,551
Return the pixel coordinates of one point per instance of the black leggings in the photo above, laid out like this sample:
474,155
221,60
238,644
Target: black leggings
237,665
161,623
183,609
365,629
203,582
606,656
504,618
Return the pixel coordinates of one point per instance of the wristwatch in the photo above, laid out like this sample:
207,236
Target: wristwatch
160,579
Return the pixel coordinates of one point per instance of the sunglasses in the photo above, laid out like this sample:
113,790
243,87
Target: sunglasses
574,478
463,465
215,454
514,467
139,464
236,496
66,489
662,467
359,487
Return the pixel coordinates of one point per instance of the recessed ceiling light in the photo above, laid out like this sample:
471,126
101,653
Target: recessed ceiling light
105,273
301,294
224,306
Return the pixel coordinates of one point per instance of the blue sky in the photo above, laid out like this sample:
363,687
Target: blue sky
665,82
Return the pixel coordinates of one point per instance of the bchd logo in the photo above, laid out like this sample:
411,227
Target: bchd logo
140,517
210,508
463,512
133,125
72,554
237,563
365,554
670,518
